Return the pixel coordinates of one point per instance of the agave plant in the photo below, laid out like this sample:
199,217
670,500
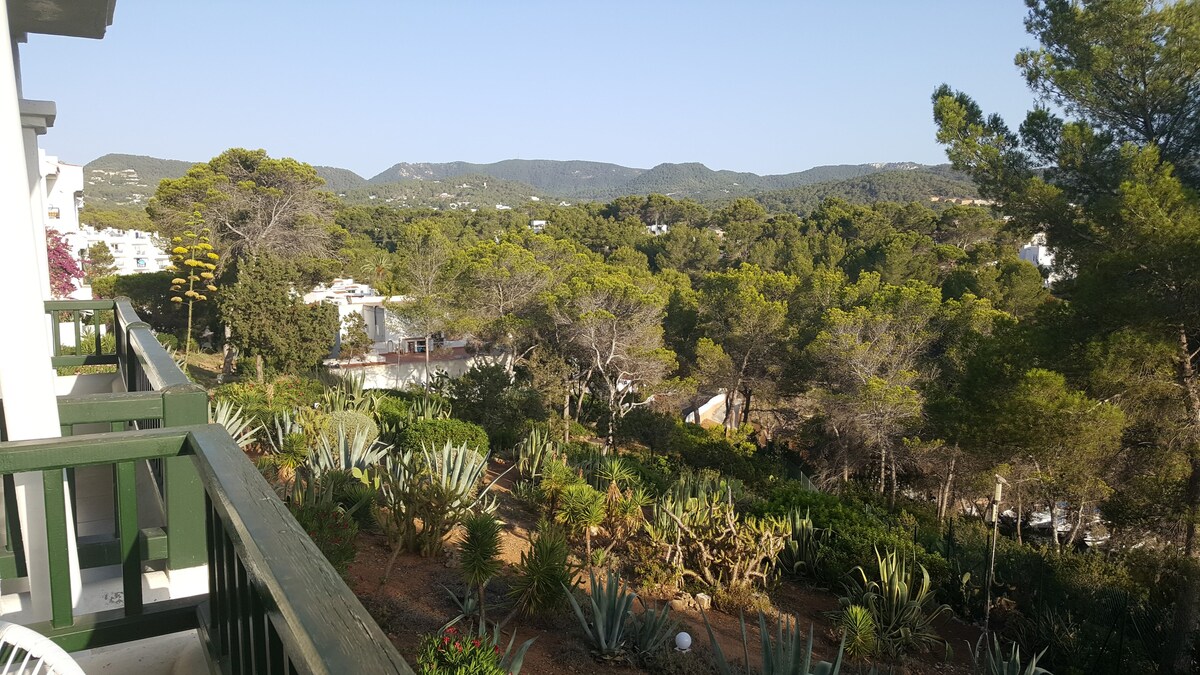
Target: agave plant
804,552
612,607
235,421
346,452
349,393
533,451
650,630
428,408
784,654
988,659
451,490
902,605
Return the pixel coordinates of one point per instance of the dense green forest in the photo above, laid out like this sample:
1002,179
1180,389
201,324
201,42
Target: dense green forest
889,367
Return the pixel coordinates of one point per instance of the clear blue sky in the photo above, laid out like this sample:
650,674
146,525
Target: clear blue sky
768,87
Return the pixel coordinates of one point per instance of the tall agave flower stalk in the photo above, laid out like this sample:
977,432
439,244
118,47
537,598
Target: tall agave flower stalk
193,251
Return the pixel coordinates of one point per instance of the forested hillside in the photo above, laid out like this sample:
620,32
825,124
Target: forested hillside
893,186
127,180
117,179
563,178
339,180
466,192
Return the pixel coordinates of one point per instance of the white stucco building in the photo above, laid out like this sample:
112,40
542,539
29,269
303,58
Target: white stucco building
1036,252
61,188
398,354
133,251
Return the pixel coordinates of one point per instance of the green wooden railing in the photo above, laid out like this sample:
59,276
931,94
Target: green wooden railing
274,605
83,315
157,395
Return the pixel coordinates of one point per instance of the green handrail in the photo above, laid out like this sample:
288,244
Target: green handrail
84,355
275,605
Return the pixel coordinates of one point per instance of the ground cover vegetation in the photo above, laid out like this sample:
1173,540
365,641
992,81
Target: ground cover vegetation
885,365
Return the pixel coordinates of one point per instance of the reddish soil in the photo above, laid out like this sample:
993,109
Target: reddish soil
414,603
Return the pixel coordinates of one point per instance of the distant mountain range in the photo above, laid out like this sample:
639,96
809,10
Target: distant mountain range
130,180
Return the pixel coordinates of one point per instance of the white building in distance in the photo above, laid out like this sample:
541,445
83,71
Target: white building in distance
62,186
398,355
1036,252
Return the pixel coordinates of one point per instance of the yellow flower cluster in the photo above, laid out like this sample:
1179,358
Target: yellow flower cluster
193,252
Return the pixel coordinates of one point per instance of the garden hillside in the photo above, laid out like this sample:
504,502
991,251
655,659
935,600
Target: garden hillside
603,553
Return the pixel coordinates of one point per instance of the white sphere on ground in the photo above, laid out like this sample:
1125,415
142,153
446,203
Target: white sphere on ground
683,641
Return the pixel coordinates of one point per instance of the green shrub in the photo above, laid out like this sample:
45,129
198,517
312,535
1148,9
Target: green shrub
434,434
353,422
263,402
330,529
167,340
392,411
741,599
487,396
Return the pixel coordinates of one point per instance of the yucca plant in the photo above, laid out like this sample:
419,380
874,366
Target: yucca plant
611,609
785,654
581,507
480,554
542,574
988,659
858,631
235,421
556,476
902,605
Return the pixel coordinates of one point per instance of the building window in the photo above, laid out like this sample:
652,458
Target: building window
141,262
116,248
416,346
54,213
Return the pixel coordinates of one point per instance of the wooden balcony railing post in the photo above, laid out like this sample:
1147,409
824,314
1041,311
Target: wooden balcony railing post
132,364
183,405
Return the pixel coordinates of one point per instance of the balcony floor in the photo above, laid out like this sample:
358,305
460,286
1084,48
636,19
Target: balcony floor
175,654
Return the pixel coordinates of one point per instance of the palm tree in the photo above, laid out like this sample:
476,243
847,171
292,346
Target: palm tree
378,271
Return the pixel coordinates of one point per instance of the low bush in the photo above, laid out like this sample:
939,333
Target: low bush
452,652
488,396
742,599
433,434
392,411
263,402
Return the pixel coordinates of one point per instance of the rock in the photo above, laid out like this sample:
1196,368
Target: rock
704,601
679,604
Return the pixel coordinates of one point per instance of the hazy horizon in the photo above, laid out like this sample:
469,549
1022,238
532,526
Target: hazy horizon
362,85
